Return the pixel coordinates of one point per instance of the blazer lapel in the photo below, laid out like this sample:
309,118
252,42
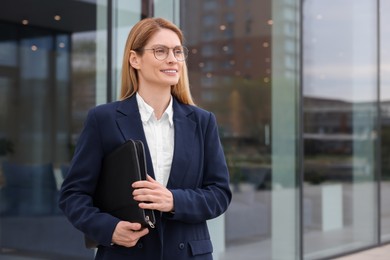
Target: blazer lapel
129,119
130,124
184,137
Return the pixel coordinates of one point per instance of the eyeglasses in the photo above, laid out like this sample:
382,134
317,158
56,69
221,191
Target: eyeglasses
161,52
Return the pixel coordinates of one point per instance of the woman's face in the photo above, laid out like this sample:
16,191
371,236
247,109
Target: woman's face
153,72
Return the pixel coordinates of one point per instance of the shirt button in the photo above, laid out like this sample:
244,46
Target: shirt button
140,245
181,246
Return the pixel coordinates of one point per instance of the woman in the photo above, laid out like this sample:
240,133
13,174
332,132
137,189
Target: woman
188,179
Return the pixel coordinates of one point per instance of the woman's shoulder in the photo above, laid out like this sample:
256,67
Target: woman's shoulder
193,109
202,112
198,114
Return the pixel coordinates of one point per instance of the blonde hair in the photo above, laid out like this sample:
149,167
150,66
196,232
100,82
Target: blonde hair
136,40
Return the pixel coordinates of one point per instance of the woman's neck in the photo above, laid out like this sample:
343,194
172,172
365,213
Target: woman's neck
158,99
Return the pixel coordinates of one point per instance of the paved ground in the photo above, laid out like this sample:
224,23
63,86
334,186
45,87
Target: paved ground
379,253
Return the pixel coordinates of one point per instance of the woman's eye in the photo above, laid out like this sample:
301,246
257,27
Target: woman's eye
160,50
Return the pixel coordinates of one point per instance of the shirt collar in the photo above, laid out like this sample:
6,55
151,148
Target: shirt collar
147,111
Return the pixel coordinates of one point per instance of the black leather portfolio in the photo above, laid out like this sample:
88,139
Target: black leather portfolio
113,194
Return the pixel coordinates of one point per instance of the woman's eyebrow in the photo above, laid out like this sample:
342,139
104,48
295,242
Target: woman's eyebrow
162,45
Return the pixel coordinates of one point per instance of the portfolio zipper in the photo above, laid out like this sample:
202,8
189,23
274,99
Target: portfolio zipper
149,222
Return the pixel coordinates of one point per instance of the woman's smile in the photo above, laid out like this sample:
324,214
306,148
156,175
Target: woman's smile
170,72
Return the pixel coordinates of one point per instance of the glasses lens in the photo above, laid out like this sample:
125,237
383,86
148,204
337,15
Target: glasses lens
180,53
161,52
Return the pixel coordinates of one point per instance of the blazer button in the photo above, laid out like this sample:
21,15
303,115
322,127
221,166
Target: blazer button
181,246
140,245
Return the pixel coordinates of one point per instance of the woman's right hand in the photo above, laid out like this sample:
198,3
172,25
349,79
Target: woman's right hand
127,234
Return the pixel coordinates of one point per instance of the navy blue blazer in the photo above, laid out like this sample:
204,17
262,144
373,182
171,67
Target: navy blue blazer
199,182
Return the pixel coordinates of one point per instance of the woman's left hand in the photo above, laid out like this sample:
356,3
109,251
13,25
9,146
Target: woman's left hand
153,195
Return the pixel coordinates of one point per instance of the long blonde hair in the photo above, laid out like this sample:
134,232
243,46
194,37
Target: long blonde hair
136,40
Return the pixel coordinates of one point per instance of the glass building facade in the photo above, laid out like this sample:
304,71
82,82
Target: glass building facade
300,89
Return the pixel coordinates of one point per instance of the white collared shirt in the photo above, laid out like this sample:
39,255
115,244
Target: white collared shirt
160,138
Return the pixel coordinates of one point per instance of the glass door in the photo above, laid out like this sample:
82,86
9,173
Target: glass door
385,119
48,81
244,67
340,131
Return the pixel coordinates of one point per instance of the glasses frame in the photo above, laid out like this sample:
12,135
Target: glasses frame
185,50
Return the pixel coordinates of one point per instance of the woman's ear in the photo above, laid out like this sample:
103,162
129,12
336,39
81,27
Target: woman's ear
134,60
